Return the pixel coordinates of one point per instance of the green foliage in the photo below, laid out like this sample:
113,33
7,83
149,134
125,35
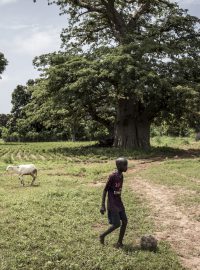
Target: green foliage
145,53
116,22
4,118
76,84
96,86
20,98
171,127
4,133
36,116
3,63
136,51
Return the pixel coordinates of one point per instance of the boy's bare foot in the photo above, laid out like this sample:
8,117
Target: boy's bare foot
118,245
101,239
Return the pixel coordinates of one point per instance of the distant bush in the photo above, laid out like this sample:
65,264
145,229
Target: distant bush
4,134
32,136
174,129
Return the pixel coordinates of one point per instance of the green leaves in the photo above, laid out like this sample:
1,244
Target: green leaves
3,63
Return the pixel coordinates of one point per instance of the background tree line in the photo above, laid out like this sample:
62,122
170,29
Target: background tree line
34,117
127,66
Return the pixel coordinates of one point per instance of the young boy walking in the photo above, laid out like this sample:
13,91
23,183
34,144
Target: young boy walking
115,208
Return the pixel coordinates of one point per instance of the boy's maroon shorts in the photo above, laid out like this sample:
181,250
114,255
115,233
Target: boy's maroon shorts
115,217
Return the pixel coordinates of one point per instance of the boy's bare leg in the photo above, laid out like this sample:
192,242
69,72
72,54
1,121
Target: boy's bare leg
111,229
122,229
121,234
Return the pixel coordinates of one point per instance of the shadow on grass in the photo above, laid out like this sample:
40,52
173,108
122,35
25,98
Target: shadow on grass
27,186
105,153
34,185
129,248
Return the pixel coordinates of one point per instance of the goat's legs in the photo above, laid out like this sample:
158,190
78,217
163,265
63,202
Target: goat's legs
34,177
22,180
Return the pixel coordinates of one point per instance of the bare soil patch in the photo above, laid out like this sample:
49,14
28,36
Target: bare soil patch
173,223
96,184
67,174
98,227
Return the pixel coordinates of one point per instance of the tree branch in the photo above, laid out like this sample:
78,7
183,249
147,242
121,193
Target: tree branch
115,17
89,7
138,13
91,110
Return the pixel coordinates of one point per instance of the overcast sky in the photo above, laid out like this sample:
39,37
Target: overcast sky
28,30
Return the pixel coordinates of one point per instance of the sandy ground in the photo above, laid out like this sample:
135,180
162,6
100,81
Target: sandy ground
173,223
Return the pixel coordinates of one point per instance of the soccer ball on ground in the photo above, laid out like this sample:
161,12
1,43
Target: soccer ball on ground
149,243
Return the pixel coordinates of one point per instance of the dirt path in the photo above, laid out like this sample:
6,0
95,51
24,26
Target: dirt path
172,223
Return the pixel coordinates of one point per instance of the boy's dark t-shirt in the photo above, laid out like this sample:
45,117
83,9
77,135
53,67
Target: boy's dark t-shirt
114,188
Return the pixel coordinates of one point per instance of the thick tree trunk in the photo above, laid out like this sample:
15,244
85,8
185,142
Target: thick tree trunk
132,128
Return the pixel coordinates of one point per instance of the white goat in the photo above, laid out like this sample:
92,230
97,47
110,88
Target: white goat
28,169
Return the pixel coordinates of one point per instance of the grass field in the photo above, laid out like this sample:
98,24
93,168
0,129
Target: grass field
55,224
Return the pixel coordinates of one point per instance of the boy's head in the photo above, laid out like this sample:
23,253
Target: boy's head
122,164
